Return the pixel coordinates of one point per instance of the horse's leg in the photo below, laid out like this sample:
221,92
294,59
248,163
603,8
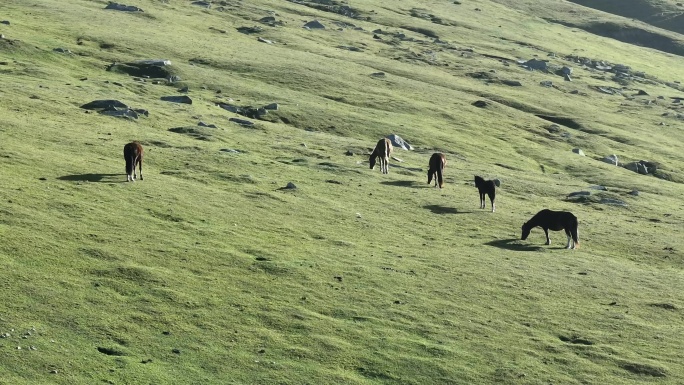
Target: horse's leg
546,232
482,203
491,199
140,167
568,245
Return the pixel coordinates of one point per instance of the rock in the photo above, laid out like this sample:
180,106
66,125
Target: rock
261,39
598,187
177,99
397,141
642,93
612,159
634,193
546,83
536,64
267,20
579,193
183,90
202,124
250,30
642,167
144,69
378,74
203,4
578,151
512,83
314,24
102,104
611,201
120,113
554,128
480,103
122,7
6,22
241,122
229,107
271,107
61,50
290,186
230,150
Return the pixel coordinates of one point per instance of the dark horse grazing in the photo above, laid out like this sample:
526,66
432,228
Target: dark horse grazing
382,150
437,164
556,221
133,154
486,187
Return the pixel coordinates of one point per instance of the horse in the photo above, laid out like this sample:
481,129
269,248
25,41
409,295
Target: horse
133,154
382,150
486,187
556,221
436,167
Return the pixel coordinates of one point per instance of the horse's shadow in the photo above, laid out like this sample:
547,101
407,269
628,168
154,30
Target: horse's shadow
437,209
512,244
402,183
99,178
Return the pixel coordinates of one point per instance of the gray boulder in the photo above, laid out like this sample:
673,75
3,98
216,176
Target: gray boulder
177,99
272,107
241,122
578,151
122,7
314,24
103,104
536,64
612,159
397,141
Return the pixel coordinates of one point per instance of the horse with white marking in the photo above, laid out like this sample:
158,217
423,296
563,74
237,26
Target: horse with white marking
133,155
487,187
555,221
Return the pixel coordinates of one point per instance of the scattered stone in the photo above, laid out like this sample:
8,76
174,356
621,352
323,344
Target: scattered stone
250,30
546,83
230,150
397,141
177,99
642,167
61,50
183,90
350,48
203,4
554,128
611,201
271,107
612,159
176,351
512,83
314,24
202,124
634,193
642,93
480,103
146,69
579,193
122,7
290,186
6,22
535,64
267,20
578,151
598,187
241,122
378,74
103,104
261,39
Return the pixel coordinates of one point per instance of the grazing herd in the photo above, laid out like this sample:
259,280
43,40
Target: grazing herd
546,219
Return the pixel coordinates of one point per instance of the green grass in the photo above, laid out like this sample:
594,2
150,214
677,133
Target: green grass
208,272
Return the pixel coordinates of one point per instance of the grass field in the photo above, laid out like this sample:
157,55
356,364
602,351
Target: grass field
210,272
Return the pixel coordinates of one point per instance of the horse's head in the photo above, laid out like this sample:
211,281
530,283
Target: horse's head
525,231
372,161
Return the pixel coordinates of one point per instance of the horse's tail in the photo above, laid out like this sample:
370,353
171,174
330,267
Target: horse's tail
575,233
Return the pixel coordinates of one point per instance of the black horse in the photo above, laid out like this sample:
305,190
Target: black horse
133,154
437,164
486,187
556,221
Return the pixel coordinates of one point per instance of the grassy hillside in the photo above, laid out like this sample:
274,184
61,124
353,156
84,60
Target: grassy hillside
210,271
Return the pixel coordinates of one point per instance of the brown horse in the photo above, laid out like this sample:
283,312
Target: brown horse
437,164
133,154
556,221
382,150
486,187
